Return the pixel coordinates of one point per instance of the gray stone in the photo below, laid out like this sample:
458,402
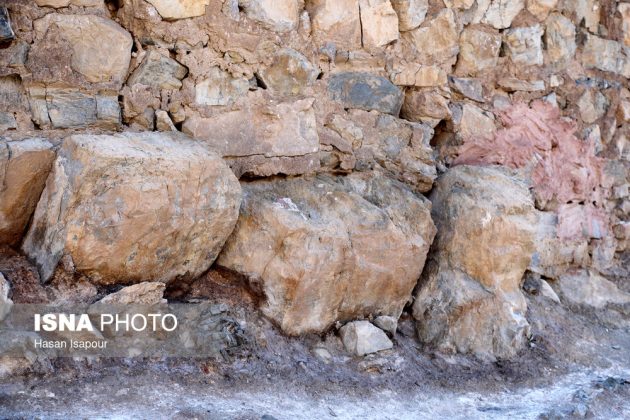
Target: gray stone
289,73
7,121
524,45
606,55
361,338
560,40
592,105
387,324
6,32
158,71
5,302
219,88
365,91
277,15
469,88
586,287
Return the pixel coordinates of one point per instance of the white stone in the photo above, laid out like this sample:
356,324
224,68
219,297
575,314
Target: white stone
379,22
500,13
411,13
361,338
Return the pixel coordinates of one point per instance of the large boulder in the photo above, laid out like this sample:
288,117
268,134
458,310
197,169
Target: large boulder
262,141
132,207
470,300
24,166
327,248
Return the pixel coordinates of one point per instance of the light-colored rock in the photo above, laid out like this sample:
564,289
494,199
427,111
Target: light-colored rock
541,8
180,9
361,338
262,141
73,108
425,103
438,40
524,45
145,293
387,324
459,4
101,49
158,71
220,88
547,291
592,105
479,50
163,122
365,91
379,22
512,84
277,15
336,21
411,13
330,249
474,122
414,74
65,3
560,40
5,302
133,207
623,112
624,10
24,166
469,88
585,287
500,13
470,300
290,73
589,10
605,55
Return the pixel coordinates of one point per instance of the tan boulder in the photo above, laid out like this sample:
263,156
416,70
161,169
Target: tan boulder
180,9
470,300
437,40
145,293
219,88
524,45
414,74
479,50
586,287
329,249
24,167
425,103
158,71
605,55
624,10
263,141
290,73
277,15
411,13
473,122
132,207
560,40
541,8
336,21
379,22
100,50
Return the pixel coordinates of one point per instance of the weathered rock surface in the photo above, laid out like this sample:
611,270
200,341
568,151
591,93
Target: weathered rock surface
478,51
541,8
290,73
132,207
65,3
361,338
365,91
411,13
586,287
437,40
560,40
379,22
6,32
180,9
219,88
423,104
605,55
277,15
96,48
24,167
414,74
500,13
158,71
336,21
145,293
470,299
330,248
524,45
265,141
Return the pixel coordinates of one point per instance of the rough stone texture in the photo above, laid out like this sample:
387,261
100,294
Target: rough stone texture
469,88
6,32
437,40
219,88
624,10
5,302
365,91
524,45
24,166
560,40
541,8
158,71
470,299
411,13
379,22
387,323
326,249
290,73
413,74
425,103
262,141
99,49
606,55
180,9
145,293
336,21
593,105
65,3
133,207
589,10
361,338
585,287
500,13
478,51
277,15
473,122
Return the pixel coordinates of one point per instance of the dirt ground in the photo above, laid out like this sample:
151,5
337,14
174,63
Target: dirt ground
577,365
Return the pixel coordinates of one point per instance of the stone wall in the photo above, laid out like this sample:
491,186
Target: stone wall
362,104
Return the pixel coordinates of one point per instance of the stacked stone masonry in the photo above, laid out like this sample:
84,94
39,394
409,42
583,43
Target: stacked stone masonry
354,128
